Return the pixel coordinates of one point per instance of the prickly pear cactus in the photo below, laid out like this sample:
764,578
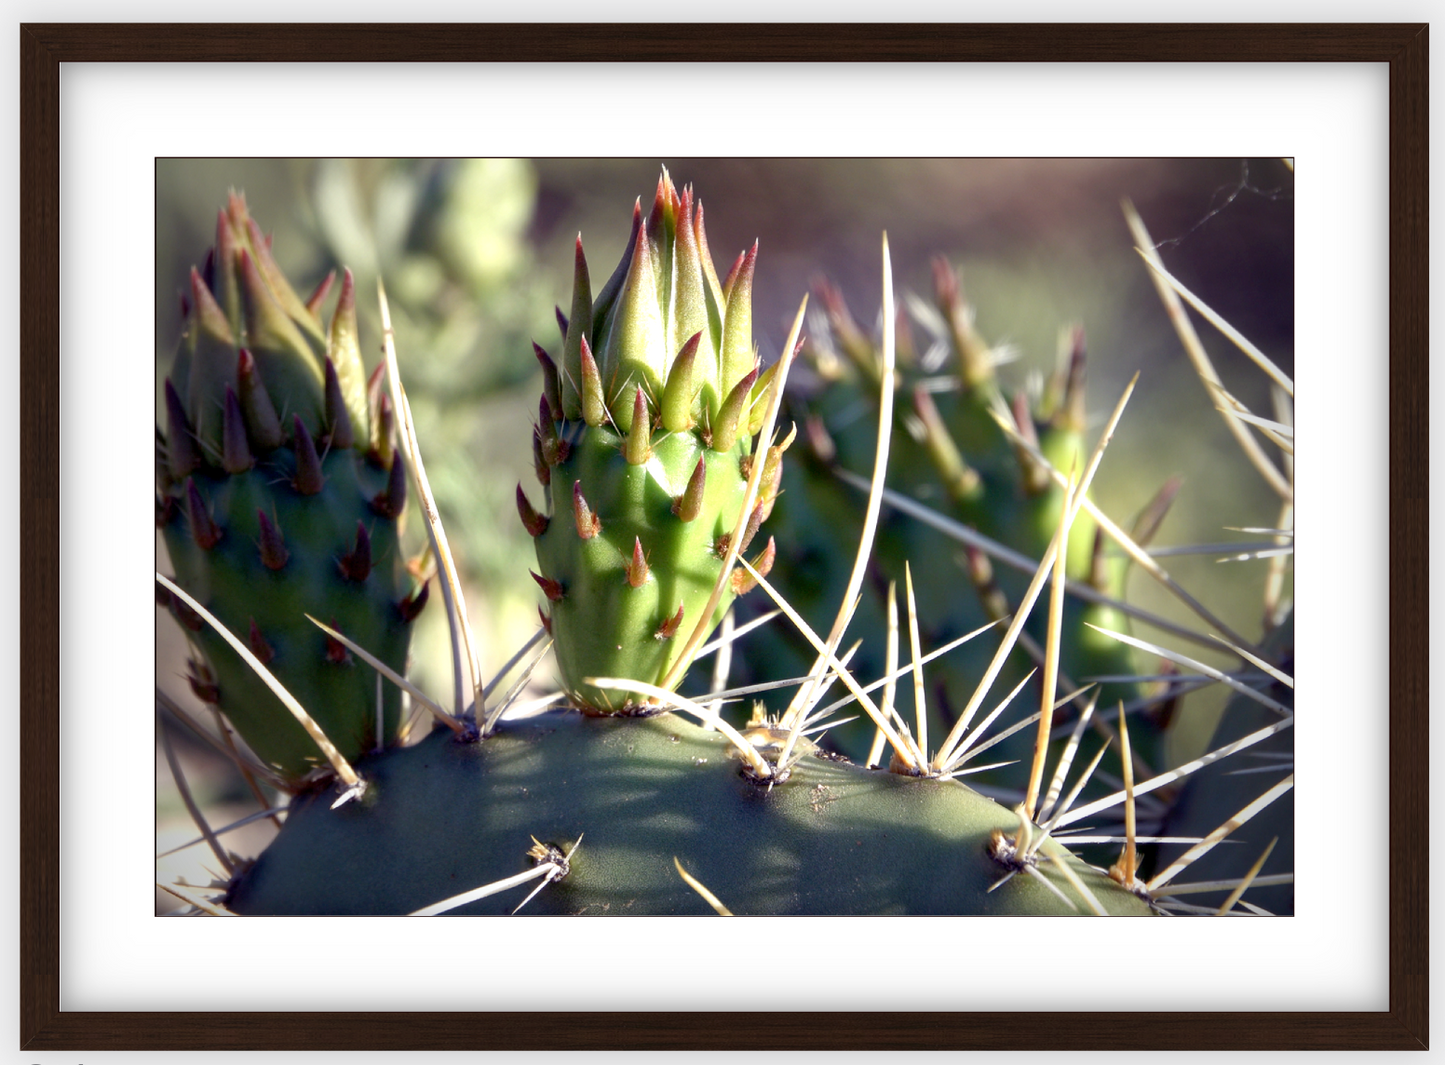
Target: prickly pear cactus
636,796
949,455
644,448
278,493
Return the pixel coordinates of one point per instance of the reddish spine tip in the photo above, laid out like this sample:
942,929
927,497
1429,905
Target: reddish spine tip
588,523
562,322
390,503
263,651
273,548
551,382
551,589
204,530
539,460
689,505
235,451
314,301
356,566
309,479
668,629
182,454
546,620
201,683
412,605
637,571
336,652
535,523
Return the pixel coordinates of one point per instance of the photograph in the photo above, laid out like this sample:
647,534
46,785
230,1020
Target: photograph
757,536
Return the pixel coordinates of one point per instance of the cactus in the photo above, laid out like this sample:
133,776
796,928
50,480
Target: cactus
629,808
951,461
643,448
278,495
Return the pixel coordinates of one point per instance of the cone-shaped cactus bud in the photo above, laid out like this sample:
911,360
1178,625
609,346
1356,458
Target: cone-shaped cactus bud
689,505
181,451
743,581
343,347
338,419
759,398
263,427
318,296
274,555
554,448
732,276
1071,414
356,565
1147,524
186,616
593,406
539,460
579,325
637,571
276,283
391,502
975,361
588,523
268,328
602,307
546,620
668,629
731,417
382,451
637,349
203,683
235,452
846,334
771,480
961,480
736,360
561,322
1036,479
637,447
980,572
682,388
750,530
412,605
535,524
336,652
551,384
263,651
221,274
309,479
210,318
550,588
693,312
204,530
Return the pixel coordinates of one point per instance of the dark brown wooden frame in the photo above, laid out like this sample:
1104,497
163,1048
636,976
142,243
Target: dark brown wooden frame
44,1027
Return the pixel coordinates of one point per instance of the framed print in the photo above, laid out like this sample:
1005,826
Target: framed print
1309,140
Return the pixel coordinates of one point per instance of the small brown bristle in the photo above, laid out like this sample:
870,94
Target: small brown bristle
689,505
668,629
637,571
273,548
309,479
356,566
588,523
391,503
550,588
535,523
412,605
263,651
204,530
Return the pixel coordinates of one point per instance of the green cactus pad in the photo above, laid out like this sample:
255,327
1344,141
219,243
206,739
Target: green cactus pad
444,817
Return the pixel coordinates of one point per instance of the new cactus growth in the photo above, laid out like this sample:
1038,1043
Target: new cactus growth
644,450
279,496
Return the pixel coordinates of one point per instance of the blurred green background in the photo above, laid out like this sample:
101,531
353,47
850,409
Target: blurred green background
476,253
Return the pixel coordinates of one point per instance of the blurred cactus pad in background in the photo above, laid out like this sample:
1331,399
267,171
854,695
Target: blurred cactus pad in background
1023,309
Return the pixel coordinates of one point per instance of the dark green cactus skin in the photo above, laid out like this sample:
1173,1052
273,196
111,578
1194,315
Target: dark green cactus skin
278,493
232,582
644,446
445,816
633,506
818,520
